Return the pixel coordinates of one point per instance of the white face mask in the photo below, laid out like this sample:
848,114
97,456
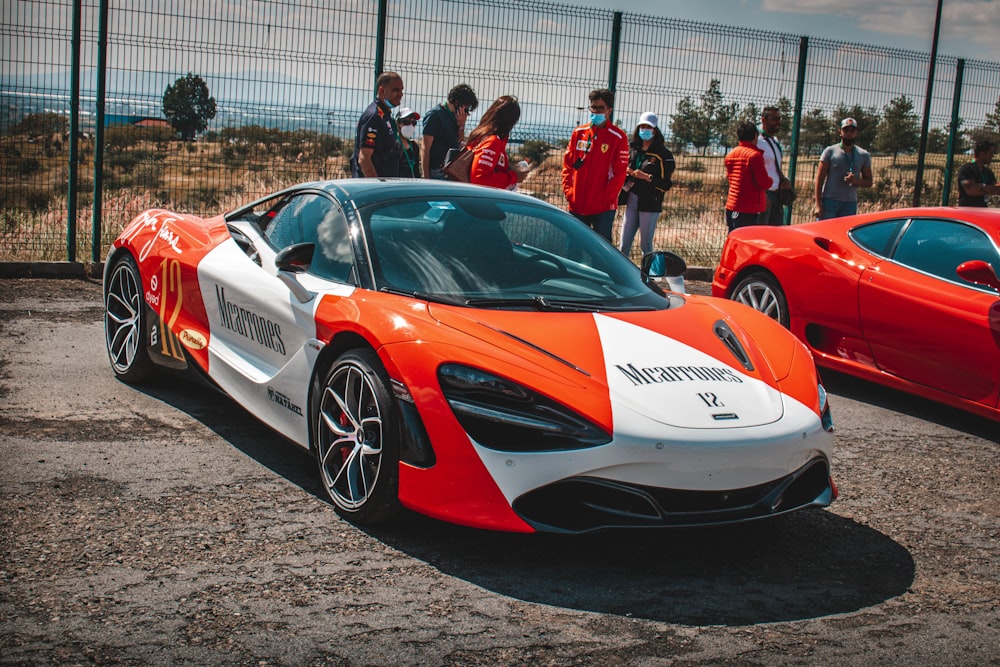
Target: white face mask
408,131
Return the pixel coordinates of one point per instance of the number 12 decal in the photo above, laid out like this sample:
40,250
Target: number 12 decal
711,400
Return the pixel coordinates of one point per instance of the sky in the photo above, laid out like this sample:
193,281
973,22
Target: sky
969,28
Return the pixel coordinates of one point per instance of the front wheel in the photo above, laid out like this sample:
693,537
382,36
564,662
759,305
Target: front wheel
125,322
762,292
356,439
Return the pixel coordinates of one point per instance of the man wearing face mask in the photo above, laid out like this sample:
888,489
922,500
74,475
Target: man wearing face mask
409,158
444,128
376,147
595,166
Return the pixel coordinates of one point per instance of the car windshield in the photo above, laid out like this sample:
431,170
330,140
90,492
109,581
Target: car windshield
498,253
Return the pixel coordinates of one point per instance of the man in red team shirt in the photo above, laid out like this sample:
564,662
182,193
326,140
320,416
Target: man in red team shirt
595,164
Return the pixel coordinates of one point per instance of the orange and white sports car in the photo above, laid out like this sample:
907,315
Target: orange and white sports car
474,355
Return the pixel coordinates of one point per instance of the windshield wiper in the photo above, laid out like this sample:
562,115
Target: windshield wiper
544,303
424,296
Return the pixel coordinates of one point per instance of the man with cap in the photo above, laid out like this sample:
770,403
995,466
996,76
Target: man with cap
650,166
376,143
843,168
409,150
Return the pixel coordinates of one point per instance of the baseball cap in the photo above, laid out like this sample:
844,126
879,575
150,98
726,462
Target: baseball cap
649,118
407,112
848,122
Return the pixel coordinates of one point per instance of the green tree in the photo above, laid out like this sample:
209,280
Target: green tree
749,113
993,119
899,129
785,109
689,127
815,133
937,139
188,106
45,124
535,150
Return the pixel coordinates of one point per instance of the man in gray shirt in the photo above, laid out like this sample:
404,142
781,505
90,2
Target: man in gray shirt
843,168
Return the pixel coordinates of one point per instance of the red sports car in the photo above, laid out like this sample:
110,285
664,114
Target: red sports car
909,298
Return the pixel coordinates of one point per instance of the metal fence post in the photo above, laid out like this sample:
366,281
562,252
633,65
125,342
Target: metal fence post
956,101
102,63
800,84
922,151
616,39
383,14
74,129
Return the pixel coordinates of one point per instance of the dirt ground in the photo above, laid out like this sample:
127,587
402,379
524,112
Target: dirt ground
164,526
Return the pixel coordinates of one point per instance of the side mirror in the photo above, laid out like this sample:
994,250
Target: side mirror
295,258
292,260
979,272
662,264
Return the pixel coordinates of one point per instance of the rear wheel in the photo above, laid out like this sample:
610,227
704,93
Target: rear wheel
125,323
762,292
356,439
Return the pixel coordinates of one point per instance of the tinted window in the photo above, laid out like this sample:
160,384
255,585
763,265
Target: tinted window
878,237
937,247
478,247
295,220
315,219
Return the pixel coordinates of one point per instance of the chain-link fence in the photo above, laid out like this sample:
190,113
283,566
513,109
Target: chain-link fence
289,80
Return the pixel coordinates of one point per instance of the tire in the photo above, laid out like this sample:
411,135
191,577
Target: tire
356,439
125,323
763,293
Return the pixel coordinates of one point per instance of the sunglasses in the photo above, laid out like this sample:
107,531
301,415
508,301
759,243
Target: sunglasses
407,122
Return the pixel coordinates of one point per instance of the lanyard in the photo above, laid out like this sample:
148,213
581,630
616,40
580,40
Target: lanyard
850,167
640,155
409,160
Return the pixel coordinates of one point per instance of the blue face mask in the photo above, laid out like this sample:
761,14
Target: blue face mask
645,134
598,118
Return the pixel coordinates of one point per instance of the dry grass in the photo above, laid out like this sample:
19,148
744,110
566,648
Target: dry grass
206,177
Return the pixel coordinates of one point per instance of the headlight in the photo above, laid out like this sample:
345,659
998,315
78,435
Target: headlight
824,409
506,416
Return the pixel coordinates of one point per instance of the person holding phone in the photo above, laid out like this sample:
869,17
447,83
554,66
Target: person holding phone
444,129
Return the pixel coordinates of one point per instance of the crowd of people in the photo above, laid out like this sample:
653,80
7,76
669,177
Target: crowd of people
603,168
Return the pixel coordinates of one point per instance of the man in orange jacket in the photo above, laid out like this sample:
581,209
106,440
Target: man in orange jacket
595,164
748,180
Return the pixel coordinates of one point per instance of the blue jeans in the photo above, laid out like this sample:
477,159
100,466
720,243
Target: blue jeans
833,208
599,222
635,220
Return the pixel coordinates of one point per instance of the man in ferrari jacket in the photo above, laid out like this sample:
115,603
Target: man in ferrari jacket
595,165
748,180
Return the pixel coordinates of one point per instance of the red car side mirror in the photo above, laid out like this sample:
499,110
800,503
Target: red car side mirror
979,272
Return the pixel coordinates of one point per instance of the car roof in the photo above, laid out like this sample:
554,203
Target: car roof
364,191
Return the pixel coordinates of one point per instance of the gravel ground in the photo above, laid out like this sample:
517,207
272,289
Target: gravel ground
163,525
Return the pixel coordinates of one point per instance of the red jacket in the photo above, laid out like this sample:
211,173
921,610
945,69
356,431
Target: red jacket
601,154
748,179
490,165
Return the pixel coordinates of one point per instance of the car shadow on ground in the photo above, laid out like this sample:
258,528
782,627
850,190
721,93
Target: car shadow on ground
841,384
804,565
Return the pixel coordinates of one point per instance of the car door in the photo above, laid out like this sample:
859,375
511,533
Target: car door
927,325
264,338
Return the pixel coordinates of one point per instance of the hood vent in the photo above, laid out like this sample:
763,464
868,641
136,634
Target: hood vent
730,340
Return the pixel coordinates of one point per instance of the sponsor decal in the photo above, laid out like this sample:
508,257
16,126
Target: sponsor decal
193,339
659,374
277,397
247,323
